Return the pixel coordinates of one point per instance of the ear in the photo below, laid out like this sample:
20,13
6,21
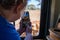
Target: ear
20,7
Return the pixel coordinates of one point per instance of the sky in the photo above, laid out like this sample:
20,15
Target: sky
34,2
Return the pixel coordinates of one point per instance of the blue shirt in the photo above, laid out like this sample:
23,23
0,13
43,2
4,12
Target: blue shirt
7,30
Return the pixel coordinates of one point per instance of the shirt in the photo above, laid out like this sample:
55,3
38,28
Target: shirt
7,30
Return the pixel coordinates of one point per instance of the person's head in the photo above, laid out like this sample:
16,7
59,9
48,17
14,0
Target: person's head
12,9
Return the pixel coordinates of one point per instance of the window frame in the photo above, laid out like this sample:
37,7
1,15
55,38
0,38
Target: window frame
45,20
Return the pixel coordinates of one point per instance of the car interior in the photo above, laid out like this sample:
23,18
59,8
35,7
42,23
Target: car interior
45,19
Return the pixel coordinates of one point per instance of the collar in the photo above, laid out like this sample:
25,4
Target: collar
4,20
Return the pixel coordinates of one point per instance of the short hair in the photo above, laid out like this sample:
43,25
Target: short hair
7,4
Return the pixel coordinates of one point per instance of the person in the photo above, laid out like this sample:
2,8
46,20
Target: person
10,10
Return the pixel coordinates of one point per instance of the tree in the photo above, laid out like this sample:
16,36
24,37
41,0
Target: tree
39,2
31,7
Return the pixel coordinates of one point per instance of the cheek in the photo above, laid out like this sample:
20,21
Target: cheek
18,15
21,13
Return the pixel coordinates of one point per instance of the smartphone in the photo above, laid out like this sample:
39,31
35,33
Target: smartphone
25,21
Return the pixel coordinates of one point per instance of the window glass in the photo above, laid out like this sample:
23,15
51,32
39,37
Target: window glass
34,8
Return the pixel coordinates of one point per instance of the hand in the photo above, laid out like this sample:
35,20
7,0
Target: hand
28,33
29,29
21,29
28,37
